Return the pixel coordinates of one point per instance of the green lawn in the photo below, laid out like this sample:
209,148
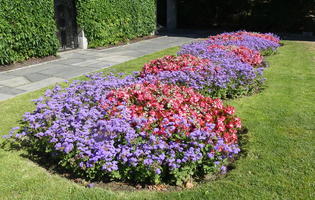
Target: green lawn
281,151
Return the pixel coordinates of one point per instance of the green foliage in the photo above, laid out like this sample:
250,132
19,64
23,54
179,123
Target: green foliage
27,29
111,21
268,52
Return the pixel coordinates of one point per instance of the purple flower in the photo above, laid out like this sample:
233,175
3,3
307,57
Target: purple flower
158,171
223,169
91,185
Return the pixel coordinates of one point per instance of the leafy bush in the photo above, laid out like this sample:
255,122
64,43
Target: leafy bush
141,132
27,29
112,21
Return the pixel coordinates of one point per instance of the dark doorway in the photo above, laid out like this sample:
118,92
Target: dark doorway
161,13
65,15
263,15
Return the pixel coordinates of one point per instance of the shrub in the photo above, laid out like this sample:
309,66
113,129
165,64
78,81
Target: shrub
27,29
141,132
109,22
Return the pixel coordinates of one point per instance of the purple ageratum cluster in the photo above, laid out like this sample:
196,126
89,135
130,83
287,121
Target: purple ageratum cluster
70,124
249,40
226,77
215,82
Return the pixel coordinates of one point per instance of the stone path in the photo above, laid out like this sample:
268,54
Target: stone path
76,63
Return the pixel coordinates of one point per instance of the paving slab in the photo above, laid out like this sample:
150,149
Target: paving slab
117,58
14,82
73,71
6,77
78,62
55,69
36,77
10,90
86,63
93,54
130,53
87,54
40,84
71,61
5,96
101,65
30,69
73,54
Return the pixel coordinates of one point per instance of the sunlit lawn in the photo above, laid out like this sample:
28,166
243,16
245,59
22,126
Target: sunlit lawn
281,152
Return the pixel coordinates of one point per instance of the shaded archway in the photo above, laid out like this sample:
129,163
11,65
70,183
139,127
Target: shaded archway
65,15
167,14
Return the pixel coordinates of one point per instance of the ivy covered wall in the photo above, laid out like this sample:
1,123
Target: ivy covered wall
27,29
111,21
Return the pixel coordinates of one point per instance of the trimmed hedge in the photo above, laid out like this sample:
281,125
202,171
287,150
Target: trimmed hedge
27,29
111,21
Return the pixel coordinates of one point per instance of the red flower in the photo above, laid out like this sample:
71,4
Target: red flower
174,63
162,103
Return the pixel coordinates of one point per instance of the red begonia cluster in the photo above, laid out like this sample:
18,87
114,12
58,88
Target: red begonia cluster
173,109
173,63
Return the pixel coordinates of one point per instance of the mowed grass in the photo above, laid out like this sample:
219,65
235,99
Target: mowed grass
280,163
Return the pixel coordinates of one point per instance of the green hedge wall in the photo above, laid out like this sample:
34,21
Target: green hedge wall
111,21
27,29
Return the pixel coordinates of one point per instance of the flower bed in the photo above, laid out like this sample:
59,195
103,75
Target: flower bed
266,43
142,132
154,127
236,67
228,78
247,55
215,70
